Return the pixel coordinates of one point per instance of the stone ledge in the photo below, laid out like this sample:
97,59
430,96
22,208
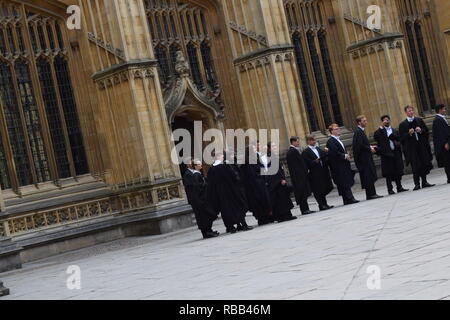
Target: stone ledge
139,63
262,52
51,242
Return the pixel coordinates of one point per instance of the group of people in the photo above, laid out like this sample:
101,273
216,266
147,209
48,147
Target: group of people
233,190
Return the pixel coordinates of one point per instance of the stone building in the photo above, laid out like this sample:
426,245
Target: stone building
86,115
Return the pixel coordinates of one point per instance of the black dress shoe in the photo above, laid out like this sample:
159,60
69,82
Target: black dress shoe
325,208
391,192
353,201
245,227
210,234
291,218
374,197
231,230
448,181
416,188
307,212
427,185
402,190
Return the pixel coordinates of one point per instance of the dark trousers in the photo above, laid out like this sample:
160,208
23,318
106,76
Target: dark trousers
370,191
304,207
321,200
398,182
346,194
417,178
447,171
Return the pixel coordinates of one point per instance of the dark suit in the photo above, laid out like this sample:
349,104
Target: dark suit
319,175
364,162
195,186
341,170
390,152
299,176
417,149
441,136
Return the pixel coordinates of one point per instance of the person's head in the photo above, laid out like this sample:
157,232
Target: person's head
188,162
219,156
295,141
409,110
386,120
310,140
440,109
334,129
197,165
271,148
361,121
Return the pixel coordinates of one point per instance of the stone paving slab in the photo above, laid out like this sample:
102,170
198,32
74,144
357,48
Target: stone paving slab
322,256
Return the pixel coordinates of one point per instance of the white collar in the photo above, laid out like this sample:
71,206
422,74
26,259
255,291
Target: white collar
410,119
217,162
387,128
336,137
442,116
312,147
363,129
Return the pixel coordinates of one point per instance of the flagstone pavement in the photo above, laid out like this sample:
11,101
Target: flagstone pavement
393,248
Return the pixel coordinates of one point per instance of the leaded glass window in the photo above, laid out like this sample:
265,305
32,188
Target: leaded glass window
180,25
41,135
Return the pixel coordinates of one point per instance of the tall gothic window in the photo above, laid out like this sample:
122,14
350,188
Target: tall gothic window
40,131
412,12
308,31
180,26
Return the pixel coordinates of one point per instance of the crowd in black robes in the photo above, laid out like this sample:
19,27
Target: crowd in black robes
319,176
417,149
441,137
363,156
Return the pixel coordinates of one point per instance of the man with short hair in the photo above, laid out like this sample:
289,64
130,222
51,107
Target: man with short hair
363,153
414,136
299,175
319,173
341,169
441,139
196,188
390,152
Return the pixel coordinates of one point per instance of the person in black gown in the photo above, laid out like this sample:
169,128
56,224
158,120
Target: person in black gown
441,139
319,172
196,186
225,195
414,135
279,190
256,188
390,152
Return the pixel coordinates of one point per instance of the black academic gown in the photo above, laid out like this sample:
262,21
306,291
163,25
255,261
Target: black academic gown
391,160
417,152
256,191
196,188
280,195
319,173
441,136
364,159
299,175
225,194
341,169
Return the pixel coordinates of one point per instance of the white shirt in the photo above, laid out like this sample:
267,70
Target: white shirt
363,129
314,149
389,133
339,139
411,120
217,162
264,161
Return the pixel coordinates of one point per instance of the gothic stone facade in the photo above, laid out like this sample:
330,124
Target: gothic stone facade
86,115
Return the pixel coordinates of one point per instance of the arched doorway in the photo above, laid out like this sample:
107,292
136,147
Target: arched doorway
193,118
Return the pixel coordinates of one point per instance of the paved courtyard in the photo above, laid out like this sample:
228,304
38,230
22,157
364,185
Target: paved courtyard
327,255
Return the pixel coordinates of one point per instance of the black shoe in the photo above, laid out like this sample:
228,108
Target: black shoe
325,208
290,218
374,197
416,188
216,232
307,212
210,234
244,227
427,185
353,201
231,230
391,192
402,190
448,181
